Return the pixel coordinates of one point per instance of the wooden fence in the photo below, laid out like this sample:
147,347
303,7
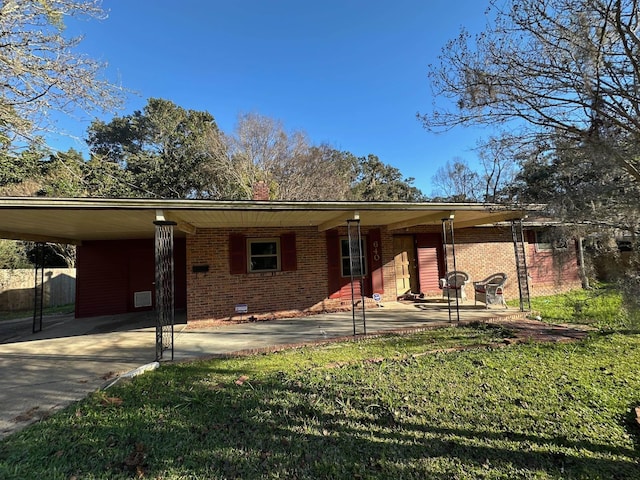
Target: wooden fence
17,288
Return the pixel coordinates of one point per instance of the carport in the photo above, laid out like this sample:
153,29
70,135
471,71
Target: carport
76,221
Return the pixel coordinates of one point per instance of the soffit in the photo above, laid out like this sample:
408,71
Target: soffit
77,220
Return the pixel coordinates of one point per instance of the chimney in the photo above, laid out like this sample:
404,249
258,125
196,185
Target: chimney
260,191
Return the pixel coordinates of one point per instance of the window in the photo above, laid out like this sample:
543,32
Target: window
547,242
345,259
263,255
256,255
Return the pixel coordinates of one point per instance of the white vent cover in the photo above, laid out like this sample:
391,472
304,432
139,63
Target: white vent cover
142,299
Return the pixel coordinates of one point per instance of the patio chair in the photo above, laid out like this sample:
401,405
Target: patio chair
453,283
490,291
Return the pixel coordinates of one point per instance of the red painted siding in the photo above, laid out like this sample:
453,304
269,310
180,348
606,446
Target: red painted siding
109,272
101,279
548,269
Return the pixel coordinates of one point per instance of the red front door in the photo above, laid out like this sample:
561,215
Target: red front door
430,262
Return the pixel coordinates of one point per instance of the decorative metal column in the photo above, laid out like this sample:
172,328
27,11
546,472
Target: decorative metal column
165,308
38,288
356,269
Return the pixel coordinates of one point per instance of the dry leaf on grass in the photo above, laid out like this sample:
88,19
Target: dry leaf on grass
136,460
107,401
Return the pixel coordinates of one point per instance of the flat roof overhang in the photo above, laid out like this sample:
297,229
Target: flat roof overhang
74,220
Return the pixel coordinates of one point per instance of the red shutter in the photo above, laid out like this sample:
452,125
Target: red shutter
288,258
333,263
374,248
237,254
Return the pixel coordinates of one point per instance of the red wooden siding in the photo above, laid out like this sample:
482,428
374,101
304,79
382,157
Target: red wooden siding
552,267
101,279
108,272
141,275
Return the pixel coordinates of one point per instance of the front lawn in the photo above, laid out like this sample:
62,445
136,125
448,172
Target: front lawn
379,408
601,307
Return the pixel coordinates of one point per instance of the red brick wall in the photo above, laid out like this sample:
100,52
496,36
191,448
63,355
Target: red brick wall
553,272
482,251
214,294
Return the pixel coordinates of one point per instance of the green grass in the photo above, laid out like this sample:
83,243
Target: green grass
376,408
601,307
58,310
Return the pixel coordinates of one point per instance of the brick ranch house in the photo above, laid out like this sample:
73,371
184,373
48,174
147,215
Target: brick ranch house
280,258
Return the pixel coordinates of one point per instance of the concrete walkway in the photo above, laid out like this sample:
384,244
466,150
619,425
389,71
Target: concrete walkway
70,358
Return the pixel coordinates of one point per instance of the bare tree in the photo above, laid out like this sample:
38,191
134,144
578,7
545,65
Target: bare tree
455,181
261,149
499,160
317,173
567,74
41,70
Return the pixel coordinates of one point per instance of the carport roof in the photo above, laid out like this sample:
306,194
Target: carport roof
74,220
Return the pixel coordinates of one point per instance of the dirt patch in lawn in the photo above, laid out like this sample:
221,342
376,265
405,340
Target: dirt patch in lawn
528,330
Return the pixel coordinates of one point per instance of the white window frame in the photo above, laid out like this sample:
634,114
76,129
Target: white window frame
343,258
278,255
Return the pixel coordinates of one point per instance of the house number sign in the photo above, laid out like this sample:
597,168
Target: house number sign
376,255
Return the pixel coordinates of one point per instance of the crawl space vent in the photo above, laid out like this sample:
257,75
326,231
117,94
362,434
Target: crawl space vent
142,299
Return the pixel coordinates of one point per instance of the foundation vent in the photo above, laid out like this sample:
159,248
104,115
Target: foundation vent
142,299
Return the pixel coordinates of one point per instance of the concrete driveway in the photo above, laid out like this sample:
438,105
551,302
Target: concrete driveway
70,358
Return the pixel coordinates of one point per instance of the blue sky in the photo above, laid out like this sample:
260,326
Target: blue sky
351,73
